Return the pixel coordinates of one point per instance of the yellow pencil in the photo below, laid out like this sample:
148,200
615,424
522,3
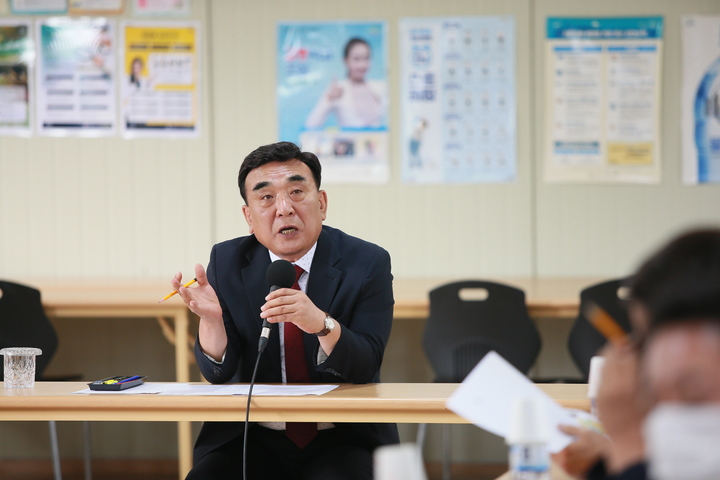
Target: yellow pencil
173,293
605,324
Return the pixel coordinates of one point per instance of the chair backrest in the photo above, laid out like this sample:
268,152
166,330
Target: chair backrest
459,332
23,323
584,340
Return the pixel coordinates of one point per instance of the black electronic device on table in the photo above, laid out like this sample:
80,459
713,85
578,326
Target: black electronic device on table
117,383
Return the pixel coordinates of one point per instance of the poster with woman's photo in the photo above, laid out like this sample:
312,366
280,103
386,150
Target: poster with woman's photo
332,96
160,85
16,60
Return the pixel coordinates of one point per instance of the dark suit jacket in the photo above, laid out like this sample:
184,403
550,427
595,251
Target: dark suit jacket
349,278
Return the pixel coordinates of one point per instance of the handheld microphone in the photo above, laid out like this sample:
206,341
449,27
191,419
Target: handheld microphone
280,274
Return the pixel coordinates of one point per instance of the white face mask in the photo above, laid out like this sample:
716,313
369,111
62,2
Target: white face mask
683,442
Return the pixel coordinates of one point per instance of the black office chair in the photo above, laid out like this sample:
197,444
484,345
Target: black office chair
584,340
467,320
23,323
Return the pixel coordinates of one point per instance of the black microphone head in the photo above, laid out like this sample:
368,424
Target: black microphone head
280,273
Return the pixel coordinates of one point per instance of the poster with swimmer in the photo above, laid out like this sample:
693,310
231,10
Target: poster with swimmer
332,96
700,99
458,99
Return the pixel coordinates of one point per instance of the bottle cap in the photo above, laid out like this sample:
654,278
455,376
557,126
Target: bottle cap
398,462
596,366
528,422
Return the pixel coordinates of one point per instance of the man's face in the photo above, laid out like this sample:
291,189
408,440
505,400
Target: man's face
681,362
285,209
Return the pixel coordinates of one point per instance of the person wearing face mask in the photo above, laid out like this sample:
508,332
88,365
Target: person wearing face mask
682,431
356,101
681,358
659,400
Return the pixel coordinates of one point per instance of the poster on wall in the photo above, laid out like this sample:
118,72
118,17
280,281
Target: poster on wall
161,7
602,99
700,99
160,84
332,96
76,77
458,99
16,64
39,7
97,7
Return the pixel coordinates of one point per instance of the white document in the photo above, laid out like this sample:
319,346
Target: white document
188,389
488,394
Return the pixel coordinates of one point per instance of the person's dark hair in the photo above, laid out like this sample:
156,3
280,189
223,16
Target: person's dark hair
277,152
351,43
133,78
682,280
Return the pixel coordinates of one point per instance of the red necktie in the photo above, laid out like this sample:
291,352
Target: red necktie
301,433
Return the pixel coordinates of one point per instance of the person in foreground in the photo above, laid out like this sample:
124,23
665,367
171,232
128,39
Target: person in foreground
331,327
659,399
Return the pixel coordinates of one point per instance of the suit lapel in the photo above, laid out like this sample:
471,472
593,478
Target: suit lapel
322,285
324,277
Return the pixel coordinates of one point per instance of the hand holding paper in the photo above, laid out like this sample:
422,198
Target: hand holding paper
488,394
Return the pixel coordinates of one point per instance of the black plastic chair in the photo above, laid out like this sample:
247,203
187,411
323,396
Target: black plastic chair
463,327
23,323
584,340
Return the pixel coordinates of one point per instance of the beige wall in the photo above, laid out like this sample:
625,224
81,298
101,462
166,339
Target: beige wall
135,208
148,208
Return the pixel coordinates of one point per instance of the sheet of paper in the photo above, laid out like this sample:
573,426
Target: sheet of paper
488,394
188,389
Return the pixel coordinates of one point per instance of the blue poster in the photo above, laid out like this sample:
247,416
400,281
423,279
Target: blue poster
332,96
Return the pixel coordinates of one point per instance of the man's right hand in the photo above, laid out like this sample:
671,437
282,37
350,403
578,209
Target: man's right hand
202,301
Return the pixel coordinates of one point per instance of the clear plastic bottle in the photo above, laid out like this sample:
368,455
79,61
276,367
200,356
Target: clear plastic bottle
529,461
528,436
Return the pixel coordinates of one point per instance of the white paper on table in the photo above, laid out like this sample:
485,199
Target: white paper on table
188,389
487,395
149,388
288,390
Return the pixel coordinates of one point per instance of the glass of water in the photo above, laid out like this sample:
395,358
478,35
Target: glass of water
19,366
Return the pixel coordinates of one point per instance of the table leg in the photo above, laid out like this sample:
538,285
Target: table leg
182,374
184,449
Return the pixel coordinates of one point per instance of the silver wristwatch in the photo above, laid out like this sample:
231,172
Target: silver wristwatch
329,326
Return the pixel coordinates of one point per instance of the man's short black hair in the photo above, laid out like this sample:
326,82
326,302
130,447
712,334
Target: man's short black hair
682,280
277,152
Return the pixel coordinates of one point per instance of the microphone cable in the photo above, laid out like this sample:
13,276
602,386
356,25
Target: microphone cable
280,274
261,348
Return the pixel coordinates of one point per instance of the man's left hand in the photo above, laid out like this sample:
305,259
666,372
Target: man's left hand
289,305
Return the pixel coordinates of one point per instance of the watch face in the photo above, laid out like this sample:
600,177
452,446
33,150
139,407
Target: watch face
328,327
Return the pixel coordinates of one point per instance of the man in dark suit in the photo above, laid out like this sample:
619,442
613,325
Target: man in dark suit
332,326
